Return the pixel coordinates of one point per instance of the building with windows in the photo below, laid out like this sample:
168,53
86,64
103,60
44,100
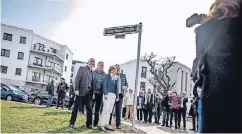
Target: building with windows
74,69
30,61
179,73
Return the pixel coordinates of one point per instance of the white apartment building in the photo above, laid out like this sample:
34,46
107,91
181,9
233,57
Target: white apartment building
75,66
179,73
31,61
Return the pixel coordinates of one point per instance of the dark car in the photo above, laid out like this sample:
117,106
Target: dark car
11,93
40,97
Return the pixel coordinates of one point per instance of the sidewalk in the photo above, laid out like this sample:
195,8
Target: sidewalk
157,129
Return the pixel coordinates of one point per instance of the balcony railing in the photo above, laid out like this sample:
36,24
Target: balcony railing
50,68
48,51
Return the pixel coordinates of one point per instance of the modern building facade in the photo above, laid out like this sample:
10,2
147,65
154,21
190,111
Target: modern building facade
179,73
30,61
74,69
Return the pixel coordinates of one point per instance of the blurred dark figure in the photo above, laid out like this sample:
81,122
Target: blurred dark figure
62,88
140,101
72,96
158,108
193,112
50,89
166,109
217,66
182,110
148,106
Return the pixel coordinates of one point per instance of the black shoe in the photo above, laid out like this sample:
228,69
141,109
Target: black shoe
192,129
118,127
89,127
163,125
72,126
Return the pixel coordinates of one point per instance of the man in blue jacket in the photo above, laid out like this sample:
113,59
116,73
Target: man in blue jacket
98,75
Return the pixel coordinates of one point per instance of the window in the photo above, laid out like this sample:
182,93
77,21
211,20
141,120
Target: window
142,85
186,82
181,81
4,69
67,56
18,71
156,72
5,87
20,55
143,72
7,36
65,68
72,69
5,52
36,76
70,80
22,40
38,61
71,74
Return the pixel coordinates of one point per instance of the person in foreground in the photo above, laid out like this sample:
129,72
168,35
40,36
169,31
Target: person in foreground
110,91
84,86
98,75
218,69
122,87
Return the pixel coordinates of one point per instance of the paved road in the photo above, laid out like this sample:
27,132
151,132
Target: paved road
153,128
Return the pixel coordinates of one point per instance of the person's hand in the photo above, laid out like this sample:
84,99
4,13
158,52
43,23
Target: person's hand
76,93
105,97
117,99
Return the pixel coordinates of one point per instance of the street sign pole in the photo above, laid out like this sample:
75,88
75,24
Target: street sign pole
137,74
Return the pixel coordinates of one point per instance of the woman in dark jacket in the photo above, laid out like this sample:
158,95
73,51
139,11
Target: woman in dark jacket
217,65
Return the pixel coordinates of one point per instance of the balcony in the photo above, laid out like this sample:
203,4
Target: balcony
36,81
57,69
46,52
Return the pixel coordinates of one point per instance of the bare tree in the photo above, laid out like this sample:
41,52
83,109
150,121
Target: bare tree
160,71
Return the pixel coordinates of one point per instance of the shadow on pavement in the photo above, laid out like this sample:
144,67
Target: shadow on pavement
169,130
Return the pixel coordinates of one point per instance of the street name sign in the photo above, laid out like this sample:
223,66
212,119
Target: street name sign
121,30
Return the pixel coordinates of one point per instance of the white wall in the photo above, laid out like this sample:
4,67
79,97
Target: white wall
129,68
76,67
14,46
67,63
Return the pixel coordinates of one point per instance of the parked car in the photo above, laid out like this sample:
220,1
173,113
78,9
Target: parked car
11,93
40,97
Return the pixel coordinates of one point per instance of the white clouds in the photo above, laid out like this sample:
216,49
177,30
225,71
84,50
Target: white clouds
164,29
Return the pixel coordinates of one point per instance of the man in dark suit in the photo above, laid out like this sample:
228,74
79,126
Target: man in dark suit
62,88
122,86
84,86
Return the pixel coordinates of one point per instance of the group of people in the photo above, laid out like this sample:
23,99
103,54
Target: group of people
95,87
171,106
62,89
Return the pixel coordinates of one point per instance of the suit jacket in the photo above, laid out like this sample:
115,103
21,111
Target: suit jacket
82,80
123,83
148,105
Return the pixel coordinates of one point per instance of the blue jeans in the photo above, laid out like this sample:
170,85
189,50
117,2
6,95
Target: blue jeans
50,99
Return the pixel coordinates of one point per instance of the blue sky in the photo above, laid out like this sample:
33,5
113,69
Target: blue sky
79,24
36,15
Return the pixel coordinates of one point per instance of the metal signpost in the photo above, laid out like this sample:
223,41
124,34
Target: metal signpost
119,33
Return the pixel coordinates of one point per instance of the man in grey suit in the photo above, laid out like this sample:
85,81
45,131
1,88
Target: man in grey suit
84,91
